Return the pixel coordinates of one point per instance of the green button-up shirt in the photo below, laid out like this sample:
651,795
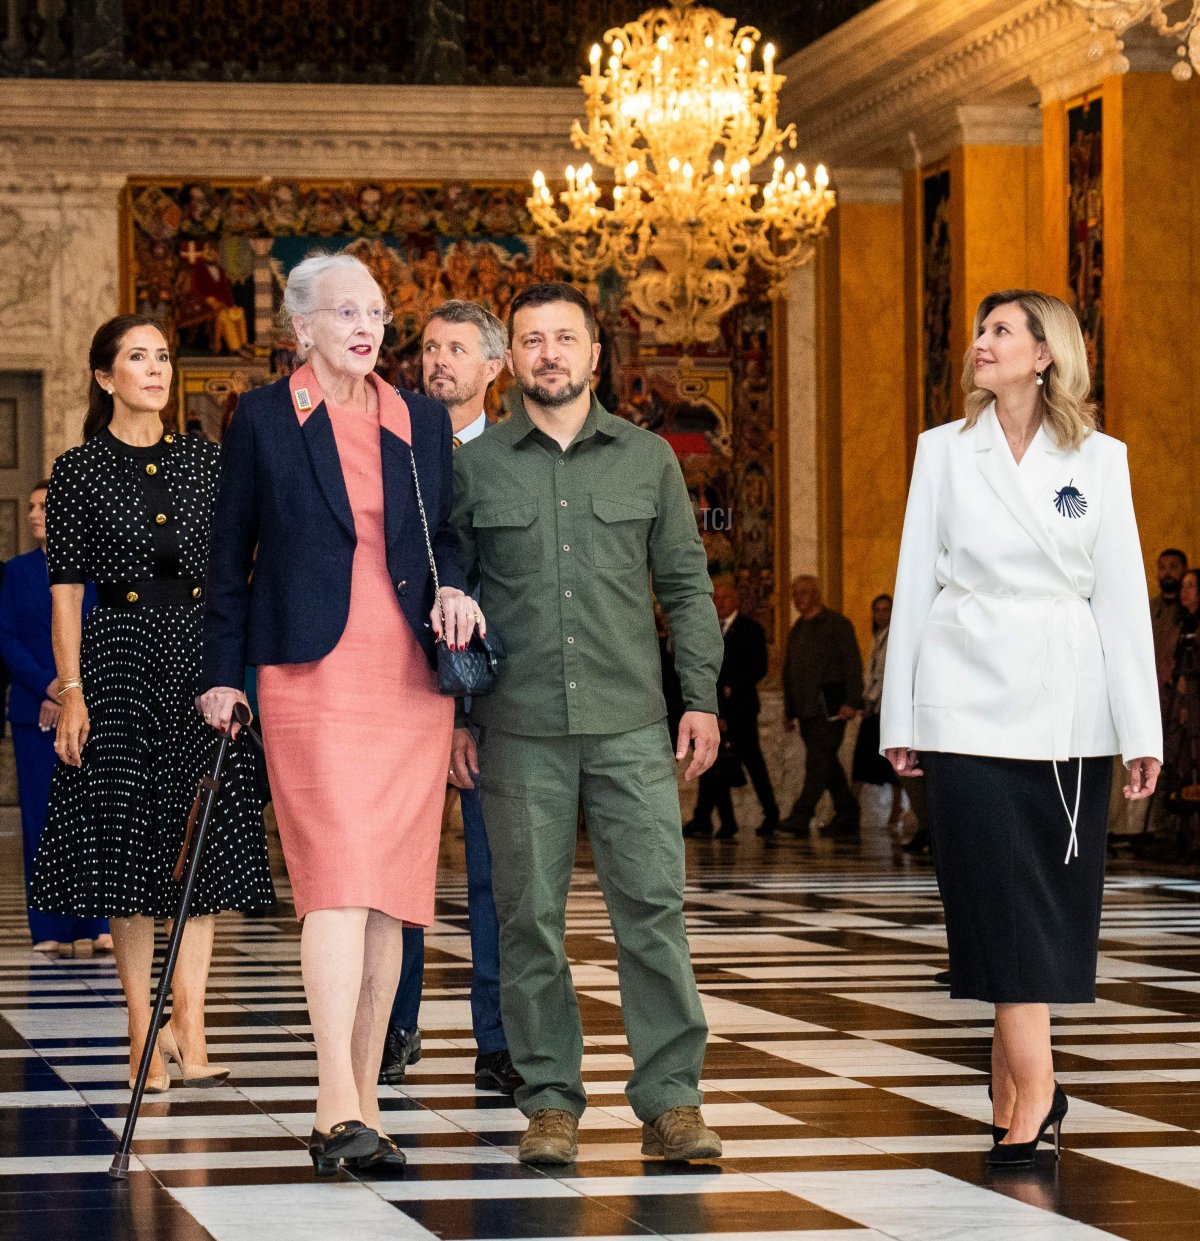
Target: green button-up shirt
565,548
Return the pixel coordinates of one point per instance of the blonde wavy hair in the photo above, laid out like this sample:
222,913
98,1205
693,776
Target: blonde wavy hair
1069,415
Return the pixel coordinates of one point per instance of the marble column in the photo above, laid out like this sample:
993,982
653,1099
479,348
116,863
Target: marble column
800,478
996,190
862,427
1151,202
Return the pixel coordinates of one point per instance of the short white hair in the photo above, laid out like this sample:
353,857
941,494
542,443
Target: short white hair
300,292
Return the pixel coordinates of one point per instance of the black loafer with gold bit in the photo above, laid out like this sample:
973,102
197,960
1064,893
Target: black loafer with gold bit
388,1160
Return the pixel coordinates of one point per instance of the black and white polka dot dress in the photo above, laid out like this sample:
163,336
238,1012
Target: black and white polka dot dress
115,513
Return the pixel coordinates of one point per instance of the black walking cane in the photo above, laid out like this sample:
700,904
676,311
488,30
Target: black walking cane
206,797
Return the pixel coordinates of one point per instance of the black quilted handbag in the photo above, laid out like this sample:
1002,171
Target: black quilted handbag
469,673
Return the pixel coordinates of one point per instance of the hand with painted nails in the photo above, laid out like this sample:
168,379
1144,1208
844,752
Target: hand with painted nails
461,615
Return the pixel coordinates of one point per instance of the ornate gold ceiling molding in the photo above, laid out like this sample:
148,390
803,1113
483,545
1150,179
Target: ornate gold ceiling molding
240,129
867,185
896,77
974,124
1064,78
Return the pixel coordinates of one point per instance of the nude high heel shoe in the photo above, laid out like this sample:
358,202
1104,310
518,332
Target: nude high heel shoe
154,1085
189,1075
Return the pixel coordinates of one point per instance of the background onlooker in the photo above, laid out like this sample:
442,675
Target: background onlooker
869,766
822,690
1165,611
1137,823
1181,725
33,712
743,666
672,691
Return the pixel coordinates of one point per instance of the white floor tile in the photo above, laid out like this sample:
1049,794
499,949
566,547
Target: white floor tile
298,1212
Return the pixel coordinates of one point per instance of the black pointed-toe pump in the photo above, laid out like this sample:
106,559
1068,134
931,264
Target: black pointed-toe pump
1018,1154
998,1134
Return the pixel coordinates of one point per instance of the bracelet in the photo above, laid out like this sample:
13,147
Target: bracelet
63,686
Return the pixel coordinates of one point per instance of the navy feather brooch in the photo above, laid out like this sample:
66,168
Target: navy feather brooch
1069,501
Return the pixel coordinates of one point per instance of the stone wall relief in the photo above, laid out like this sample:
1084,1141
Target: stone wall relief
59,244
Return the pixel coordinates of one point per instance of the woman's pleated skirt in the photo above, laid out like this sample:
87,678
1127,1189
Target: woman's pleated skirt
1022,923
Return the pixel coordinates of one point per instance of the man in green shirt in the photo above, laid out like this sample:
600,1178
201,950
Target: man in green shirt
565,515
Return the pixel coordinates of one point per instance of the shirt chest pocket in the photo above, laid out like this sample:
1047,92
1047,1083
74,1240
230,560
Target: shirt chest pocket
620,530
510,539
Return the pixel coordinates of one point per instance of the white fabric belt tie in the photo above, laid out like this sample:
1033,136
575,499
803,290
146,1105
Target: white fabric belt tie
1059,664
1072,816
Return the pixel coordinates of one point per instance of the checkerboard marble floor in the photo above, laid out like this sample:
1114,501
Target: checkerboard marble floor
850,1091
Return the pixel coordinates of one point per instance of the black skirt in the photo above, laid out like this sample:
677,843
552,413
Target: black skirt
869,766
1023,925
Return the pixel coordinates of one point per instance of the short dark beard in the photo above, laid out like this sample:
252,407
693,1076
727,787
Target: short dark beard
457,396
554,400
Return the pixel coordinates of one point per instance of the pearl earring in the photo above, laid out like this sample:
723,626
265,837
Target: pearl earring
1039,378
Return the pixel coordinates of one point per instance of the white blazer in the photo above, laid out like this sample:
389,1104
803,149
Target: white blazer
1021,623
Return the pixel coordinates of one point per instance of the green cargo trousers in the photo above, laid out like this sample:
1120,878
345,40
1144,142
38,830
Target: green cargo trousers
531,790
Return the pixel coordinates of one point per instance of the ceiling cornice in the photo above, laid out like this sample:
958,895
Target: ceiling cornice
897,78
247,129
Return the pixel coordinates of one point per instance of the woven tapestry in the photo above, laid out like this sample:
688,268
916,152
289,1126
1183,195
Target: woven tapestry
1085,232
209,261
938,388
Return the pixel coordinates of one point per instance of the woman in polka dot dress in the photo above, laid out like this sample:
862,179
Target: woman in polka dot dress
131,509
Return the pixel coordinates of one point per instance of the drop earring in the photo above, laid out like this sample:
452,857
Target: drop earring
1039,378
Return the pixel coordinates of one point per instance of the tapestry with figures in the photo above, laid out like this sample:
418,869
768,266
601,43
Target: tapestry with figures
938,384
1085,223
209,262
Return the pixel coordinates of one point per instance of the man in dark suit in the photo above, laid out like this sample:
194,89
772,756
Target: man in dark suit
822,690
743,666
462,352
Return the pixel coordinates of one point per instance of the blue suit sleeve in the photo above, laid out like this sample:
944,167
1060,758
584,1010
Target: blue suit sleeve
26,666
444,535
231,556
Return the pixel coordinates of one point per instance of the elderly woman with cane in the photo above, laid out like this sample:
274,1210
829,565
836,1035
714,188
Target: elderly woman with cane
130,509
320,496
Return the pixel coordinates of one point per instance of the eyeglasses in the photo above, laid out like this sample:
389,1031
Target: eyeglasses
376,316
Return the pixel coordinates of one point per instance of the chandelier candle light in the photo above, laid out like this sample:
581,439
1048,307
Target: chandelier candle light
1119,15
679,115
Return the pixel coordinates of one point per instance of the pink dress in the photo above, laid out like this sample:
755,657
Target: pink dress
358,743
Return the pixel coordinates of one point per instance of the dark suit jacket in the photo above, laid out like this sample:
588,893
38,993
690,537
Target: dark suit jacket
282,493
25,633
822,659
744,665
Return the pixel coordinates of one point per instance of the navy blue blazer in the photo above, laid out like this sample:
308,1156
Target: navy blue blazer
282,549
25,632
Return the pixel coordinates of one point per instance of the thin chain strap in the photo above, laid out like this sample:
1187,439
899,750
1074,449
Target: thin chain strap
437,588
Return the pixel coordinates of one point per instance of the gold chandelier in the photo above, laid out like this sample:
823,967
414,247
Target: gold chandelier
682,120
1119,15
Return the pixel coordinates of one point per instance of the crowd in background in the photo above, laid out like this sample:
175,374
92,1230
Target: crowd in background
827,686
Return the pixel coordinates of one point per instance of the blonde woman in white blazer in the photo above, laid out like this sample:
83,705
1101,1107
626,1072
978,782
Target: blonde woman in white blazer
1020,660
